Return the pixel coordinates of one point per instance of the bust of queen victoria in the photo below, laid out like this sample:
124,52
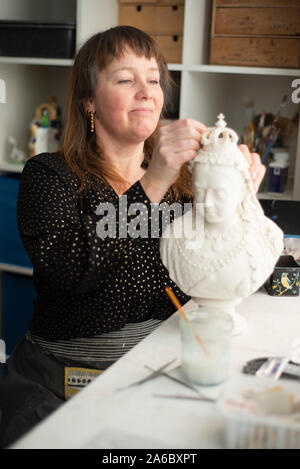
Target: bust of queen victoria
238,246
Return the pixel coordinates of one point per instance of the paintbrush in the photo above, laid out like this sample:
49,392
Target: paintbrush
182,312
270,138
258,137
251,137
269,147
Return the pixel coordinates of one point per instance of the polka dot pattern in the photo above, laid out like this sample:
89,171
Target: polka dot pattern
86,285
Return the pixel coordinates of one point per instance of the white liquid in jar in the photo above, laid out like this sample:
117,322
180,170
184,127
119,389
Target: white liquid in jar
209,368
206,370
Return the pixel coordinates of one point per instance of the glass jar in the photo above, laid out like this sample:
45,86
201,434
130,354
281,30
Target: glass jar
208,364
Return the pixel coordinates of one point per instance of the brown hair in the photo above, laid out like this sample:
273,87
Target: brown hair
80,149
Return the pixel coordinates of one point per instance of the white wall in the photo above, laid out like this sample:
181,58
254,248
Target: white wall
23,96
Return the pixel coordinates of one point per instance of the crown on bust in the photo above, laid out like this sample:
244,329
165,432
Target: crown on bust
219,146
220,134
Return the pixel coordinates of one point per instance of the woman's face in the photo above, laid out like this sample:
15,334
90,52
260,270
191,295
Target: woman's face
128,99
220,189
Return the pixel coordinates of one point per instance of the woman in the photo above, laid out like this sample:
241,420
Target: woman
97,296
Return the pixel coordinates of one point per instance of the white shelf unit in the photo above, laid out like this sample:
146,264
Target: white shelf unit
245,70
205,90
36,61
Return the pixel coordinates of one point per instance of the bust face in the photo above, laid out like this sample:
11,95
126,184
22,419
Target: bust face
220,189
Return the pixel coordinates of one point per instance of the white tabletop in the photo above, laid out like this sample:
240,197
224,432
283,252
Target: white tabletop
100,417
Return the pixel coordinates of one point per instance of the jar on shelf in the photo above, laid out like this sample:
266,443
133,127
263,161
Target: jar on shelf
278,171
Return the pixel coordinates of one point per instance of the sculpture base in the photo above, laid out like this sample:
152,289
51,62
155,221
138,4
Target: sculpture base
239,323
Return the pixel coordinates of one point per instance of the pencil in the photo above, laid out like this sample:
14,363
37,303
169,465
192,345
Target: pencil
183,313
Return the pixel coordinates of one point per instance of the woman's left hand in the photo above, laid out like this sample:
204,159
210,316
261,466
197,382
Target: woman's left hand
256,170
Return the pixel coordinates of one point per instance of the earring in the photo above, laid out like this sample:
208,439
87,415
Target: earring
92,122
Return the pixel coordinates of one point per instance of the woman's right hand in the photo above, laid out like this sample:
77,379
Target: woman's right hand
177,143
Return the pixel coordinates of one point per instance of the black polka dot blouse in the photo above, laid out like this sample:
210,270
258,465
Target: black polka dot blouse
86,285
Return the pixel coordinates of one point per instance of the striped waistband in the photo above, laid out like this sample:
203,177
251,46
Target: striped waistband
99,350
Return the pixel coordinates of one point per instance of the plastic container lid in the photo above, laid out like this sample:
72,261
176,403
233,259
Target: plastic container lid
281,154
279,164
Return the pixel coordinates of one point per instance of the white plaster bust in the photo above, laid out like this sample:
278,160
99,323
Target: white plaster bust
233,252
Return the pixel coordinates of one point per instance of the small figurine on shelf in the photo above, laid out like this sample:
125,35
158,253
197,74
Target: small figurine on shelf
15,154
45,129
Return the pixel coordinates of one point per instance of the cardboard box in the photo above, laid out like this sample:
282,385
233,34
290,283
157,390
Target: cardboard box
266,33
153,19
138,3
255,52
258,21
154,2
171,47
257,3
